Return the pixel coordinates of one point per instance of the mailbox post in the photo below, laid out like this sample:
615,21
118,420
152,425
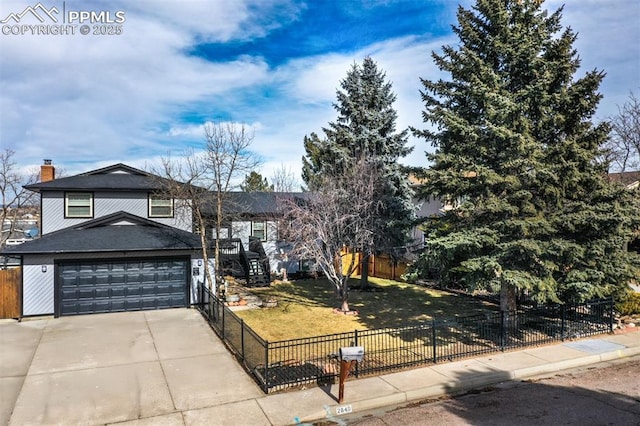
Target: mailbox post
348,357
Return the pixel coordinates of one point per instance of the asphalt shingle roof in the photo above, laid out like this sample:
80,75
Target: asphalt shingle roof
626,178
252,203
119,177
107,234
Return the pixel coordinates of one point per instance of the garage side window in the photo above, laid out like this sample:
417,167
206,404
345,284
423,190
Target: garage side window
78,204
160,206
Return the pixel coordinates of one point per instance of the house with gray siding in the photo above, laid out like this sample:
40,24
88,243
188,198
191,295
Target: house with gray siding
254,219
110,241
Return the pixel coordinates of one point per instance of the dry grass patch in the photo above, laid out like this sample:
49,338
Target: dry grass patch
305,308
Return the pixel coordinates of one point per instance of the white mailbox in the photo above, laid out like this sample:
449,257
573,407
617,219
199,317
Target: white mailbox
352,353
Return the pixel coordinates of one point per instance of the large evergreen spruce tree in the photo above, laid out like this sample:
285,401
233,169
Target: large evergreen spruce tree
528,206
366,130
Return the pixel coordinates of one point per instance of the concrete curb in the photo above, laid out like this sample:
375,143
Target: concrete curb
523,373
453,387
622,353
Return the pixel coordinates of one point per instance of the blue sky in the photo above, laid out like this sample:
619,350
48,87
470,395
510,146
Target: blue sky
87,101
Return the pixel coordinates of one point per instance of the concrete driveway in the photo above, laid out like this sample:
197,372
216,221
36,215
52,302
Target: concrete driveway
167,367
151,367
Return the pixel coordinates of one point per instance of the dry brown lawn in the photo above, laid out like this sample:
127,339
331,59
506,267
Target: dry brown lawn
305,308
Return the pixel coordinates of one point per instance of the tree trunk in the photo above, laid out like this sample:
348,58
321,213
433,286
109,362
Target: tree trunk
508,308
205,259
344,295
205,249
507,297
345,306
364,274
216,251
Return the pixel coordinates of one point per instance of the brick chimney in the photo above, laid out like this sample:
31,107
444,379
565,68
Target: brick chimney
47,171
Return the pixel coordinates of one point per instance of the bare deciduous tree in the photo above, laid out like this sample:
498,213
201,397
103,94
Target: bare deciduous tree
284,179
14,196
228,159
187,181
623,147
338,216
203,179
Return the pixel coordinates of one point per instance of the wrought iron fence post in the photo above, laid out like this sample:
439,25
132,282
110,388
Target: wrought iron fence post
611,314
242,338
563,319
211,310
222,306
266,366
357,363
503,330
433,340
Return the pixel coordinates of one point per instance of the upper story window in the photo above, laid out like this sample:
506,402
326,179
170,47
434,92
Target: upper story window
78,204
259,229
160,206
225,232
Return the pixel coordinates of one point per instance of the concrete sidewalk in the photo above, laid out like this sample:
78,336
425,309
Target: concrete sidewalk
168,367
414,385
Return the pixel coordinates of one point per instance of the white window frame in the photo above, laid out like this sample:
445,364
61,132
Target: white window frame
225,232
68,202
162,202
263,238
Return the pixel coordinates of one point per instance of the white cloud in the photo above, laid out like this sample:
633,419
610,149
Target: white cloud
219,20
312,83
94,100
190,130
197,131
314,80
608,33
92,96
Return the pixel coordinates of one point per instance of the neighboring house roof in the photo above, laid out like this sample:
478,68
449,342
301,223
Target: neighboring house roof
116,232
118,177
252,203
628,179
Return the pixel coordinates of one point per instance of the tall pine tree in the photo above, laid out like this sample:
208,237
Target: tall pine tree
366,129
515,158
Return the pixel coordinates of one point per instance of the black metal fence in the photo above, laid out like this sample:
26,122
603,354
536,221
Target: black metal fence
277,365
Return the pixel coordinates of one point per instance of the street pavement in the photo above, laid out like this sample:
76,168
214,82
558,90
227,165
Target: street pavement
607,393
168,367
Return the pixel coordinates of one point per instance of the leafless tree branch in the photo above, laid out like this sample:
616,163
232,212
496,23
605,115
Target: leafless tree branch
228,158
285,180
202,180
623,148
14,196
339,216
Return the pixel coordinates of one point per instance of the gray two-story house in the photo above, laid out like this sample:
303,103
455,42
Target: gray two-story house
110,241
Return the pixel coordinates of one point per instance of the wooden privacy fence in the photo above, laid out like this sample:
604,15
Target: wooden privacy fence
10,293
380,265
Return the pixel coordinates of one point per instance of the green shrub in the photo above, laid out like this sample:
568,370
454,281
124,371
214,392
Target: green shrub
629,304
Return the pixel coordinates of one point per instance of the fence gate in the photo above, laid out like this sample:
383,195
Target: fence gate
10,293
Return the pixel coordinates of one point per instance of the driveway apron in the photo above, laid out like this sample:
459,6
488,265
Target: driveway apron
106,368
18,343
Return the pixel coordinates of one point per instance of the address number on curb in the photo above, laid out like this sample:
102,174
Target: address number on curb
344,409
